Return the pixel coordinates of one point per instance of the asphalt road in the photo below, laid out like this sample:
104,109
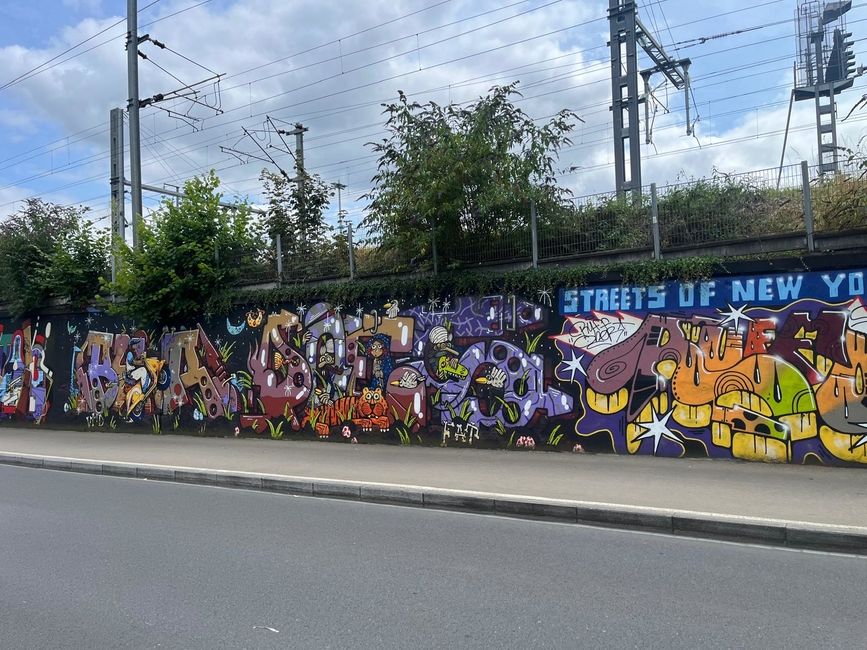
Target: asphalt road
98,562
814,494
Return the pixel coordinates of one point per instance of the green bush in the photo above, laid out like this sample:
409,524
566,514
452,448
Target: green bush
50,251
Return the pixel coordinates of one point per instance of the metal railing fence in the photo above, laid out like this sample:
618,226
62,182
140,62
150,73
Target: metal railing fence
724,210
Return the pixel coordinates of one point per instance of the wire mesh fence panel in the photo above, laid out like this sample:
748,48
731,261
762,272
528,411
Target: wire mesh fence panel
731,207
594,223
840,200
328,260
722,208
375,255
255,268
474,249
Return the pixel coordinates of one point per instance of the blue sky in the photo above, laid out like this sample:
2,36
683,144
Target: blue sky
310,67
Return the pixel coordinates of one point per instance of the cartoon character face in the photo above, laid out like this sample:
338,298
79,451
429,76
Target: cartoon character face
377,349
138,347
371,410
254,317
449,368
371,396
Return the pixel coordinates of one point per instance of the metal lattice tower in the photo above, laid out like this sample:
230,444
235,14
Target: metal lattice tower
825,68
626,34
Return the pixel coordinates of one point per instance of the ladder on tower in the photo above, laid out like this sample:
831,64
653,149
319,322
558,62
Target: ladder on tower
826,121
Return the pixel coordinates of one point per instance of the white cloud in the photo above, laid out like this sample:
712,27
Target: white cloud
92,6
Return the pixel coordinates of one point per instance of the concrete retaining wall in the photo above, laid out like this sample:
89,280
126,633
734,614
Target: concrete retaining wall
761,367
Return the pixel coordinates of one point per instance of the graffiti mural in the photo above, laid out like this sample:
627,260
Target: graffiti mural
127,376
465,372
769,369
756,368
26,380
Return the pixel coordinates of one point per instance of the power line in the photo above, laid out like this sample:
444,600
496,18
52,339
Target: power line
342,55
348,36
368,29
95,159
33,71
412,72
767,3
403,74
718,143
424,9
601,104
106,42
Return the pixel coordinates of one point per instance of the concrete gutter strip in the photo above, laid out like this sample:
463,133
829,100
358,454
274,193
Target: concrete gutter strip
776,532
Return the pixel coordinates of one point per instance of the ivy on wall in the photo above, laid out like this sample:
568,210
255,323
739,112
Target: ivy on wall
526,282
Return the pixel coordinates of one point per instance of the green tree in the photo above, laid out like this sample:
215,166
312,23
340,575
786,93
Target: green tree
79,264
296,211
468,172
50,251
190,256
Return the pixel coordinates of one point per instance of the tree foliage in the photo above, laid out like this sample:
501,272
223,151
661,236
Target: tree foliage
296,211
50,251
190,256
464,171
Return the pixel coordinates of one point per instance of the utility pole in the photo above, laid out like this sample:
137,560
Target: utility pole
298,132
118,218
132,43
627,33
341,215
624,96
300,174
340,211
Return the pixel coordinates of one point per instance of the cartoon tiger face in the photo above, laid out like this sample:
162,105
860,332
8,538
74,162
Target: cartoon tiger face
371,403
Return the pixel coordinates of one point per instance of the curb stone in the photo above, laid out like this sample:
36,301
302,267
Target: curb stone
287,485
112,469
771,532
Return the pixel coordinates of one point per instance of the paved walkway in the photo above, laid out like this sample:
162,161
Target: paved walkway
811,494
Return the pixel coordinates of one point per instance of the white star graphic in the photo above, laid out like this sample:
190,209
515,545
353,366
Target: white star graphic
658,429
302,309
447,305
545,296
433,304
359,312
573,366
338,310
735,316
863,440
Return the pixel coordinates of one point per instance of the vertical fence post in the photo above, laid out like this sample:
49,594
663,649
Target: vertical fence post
654,223
434,250
351,250
534,235
278,243
807,196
